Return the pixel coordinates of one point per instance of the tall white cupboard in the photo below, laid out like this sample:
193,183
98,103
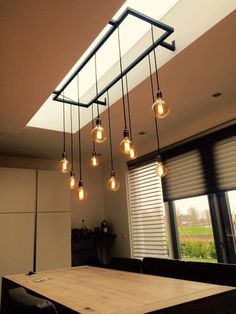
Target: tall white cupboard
28,197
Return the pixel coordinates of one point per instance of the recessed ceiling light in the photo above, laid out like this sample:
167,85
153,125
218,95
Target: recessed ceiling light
216,94
142,133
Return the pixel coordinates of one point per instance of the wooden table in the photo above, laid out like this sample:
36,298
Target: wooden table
91,290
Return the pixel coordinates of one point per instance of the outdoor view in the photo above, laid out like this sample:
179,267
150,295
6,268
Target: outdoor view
195,229
232,205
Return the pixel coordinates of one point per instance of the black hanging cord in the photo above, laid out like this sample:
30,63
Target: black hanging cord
80,168
93,127
71,140
109,123
64,126
153,100
155,59
128,104
121,71
96,79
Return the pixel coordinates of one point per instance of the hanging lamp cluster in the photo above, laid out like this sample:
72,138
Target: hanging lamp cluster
159,108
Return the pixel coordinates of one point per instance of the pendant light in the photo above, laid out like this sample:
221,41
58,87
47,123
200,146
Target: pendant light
132,153
80,193
160,168
113,183
64,164
160,108
94,161
71,182
98,133
126,143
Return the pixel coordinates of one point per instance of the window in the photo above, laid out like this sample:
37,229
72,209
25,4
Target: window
232,206
201,210
147,219
195,229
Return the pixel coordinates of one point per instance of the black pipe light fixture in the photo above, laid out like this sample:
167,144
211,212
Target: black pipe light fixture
94,161
132,153
98,133
126,144
64,164
72,182
160,108
80,192
160,168
113,183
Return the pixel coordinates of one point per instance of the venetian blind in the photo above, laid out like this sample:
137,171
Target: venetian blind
225,163
147,220
185,177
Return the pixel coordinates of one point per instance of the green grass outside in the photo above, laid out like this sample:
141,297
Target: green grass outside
195,230
199,259
197,244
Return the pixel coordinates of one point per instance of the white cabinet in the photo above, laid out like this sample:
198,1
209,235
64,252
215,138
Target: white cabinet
54,242
53,195
22,194
54,221
17,190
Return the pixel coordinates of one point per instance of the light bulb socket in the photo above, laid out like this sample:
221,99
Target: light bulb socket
158,158
126,133
98,121
112,173
81,183
94,154
64,155
159,93
72,173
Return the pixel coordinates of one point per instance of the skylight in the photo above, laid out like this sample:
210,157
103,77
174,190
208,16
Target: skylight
49,115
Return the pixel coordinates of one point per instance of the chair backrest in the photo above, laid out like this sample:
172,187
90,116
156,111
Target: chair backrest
21,302
163,267
126,264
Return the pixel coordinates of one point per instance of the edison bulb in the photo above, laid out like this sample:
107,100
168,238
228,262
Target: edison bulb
160,169
72,182
126,144
80,193
64,164
98,134
133,153
94,161
113,183
160,108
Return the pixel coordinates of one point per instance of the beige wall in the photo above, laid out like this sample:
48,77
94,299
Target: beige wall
116,212
27,163
92,208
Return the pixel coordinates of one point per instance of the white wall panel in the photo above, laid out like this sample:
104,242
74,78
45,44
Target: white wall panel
17,190
53,195
16,243
53,241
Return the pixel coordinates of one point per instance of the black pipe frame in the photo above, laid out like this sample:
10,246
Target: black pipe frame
159,42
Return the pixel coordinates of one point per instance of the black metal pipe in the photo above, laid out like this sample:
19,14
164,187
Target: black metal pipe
168,31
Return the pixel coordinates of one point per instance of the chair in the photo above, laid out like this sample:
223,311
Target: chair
21,302
94,261
163,267
126,264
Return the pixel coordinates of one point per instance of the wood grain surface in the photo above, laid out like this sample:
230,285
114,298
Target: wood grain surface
96,290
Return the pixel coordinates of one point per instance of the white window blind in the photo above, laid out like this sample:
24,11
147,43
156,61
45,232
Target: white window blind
147,219
185,177
225,163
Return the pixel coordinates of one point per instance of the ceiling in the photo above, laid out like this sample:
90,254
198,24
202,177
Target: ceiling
35,41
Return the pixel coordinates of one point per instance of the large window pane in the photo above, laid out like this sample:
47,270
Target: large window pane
232,205
195,229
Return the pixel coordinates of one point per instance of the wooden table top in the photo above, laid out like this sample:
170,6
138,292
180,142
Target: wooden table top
96,290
